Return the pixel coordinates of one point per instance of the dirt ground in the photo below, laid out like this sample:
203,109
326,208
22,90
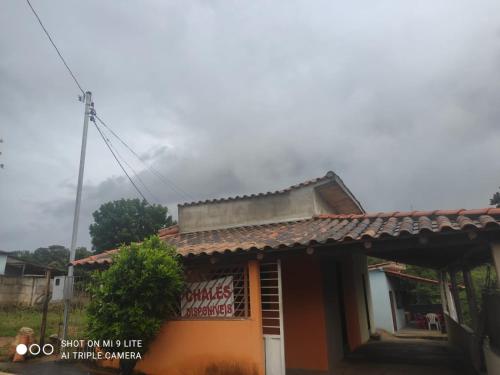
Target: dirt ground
390,356
48,366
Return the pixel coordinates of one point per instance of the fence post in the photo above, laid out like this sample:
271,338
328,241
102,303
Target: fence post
45,307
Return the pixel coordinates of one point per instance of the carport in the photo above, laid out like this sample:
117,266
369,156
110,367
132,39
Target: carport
451,242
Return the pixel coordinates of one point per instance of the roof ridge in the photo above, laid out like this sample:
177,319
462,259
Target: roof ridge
247,226
414,213
328,175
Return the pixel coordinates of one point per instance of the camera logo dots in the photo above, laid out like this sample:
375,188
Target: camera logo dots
35,349
21,349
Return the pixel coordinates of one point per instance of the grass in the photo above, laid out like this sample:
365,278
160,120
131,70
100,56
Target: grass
12,318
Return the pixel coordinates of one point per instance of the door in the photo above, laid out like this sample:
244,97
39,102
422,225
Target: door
272,317
393,310
340,302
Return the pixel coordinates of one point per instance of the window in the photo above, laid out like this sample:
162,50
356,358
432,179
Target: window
215,292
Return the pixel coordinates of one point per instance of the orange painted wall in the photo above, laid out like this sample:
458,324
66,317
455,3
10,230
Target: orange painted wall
304,314
351,303
189,347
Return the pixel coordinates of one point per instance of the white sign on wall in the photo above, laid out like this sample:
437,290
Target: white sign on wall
208,299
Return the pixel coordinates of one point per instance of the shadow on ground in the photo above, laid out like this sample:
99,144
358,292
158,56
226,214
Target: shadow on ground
52,367
405,357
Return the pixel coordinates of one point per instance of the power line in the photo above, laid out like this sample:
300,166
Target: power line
132,169
153,170
57,49
119,163
160,176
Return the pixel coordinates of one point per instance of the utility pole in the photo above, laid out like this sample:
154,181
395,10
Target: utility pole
1,164
68,285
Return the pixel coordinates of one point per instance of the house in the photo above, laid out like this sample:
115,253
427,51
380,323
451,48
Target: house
22,282
278,281
393,308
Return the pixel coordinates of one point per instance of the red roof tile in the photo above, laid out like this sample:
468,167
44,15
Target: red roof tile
321,229
407,276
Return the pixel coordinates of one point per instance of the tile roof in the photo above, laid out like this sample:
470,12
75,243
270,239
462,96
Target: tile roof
328,176
407,276
322,229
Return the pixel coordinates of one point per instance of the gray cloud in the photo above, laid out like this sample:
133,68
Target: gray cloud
401,100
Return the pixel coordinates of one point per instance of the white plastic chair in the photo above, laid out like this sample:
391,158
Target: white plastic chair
433,320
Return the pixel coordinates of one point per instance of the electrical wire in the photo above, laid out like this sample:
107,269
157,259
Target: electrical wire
153,170
55,47
132,169
119,163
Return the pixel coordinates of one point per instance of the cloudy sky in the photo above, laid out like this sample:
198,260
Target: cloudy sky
401,99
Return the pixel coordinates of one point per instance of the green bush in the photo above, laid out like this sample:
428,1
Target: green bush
135,295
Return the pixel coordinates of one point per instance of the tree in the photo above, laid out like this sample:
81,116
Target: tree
131,299
55,256
125,221
495,200
424,293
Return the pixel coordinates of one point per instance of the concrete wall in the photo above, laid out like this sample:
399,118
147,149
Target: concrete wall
295,204
492,358
380,287
352,302
465,340
355,314
304,315
359,270
21,290
333,318
3,263
400,312
196,347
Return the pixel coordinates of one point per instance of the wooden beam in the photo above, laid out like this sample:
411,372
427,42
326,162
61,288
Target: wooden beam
495,254
471,298
442,290
456,296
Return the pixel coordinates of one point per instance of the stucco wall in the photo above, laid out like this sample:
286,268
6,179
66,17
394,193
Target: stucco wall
352,302
304,314
360,269
400,312
3,262
380,286
21,290
465,340
193,346
380,300
492,358
295,204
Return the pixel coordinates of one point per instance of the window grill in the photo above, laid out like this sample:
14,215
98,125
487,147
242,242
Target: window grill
215,292
270,298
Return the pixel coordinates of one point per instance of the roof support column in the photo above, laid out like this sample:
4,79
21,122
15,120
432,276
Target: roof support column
442,290
452,311
471,298
495,254
456,297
